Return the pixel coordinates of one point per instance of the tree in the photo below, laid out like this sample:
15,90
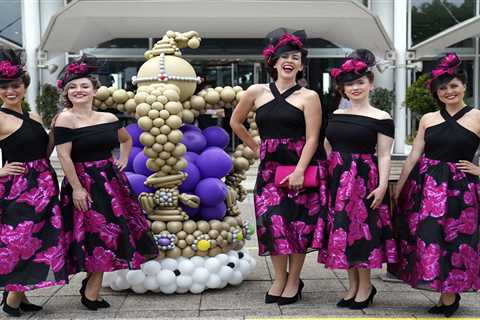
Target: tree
418,98
47,103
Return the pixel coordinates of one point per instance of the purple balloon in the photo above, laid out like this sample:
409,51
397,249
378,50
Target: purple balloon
135,131
193,177
216,136
192,212
215,212
194,141
137,183
189,127
131,158
140,164
214,163
191,157
211,191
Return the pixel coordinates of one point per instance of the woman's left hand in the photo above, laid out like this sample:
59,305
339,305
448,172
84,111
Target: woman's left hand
295,180
378,194
468,167
121,163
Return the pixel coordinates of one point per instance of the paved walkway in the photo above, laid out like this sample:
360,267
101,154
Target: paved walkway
323,288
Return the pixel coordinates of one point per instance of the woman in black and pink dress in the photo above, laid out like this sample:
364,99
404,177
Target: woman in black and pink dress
32,247
438,195
359,140
289,123
106,227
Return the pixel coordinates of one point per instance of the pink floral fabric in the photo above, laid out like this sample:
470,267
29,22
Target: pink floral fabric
286,220
113,234
357,236
32,242
438,228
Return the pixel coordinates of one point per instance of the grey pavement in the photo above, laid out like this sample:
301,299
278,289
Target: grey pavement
323,288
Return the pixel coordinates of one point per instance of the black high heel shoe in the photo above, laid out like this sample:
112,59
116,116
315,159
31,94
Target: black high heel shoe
449,310
102,304
364,304
345,303
270,298
289,300
84,285
89,304
29,307
13,312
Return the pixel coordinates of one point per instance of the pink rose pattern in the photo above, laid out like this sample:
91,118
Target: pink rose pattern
32,242
356,235
287,220
438,228
113,234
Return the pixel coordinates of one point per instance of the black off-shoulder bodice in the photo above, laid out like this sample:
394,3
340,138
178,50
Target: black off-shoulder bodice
90,143
355,133
27,143
449,141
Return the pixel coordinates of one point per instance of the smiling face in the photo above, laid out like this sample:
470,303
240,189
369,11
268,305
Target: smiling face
358,89
80,91
12,93
451,93
289,64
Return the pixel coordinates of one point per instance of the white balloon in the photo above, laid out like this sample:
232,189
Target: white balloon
122,273
121,283
200,275
233,253
197,288
197,261
186,267
180,259
113,286
236,278
108,278
169,289
166,278
169,264
182,290
214,281
223,284
223,258
151,268
234,260
244,268
135,277
213,265
184,281
151,283
225,273
139,288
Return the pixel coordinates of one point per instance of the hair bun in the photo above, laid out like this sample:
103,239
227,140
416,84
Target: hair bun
364,55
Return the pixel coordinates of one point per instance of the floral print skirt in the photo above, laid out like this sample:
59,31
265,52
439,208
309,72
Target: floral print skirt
357,235
286,219
32,242
113,234
438,229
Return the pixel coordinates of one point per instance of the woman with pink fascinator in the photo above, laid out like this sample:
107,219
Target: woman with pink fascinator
438,195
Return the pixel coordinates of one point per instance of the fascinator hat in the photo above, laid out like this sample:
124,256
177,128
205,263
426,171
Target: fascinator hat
81,68
358,64
11,65
282,40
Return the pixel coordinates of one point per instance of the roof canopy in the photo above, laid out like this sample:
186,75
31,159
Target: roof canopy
86,23
459,32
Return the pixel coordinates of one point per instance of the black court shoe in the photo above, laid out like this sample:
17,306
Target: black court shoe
364,304
29,307
449,310
345,303
13,312
289,300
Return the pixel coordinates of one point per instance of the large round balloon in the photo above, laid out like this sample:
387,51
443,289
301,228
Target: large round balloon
211,191
191,157
131,158
192,212
189,127
135,131
140,164
194,141
137,183
215,212
216,136
214,163
193,177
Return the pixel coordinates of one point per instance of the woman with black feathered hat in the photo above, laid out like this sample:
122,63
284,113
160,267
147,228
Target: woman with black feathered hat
32,243
291,131
359,140
107,230
438,195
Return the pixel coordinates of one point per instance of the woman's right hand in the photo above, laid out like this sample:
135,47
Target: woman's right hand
81,199
12,169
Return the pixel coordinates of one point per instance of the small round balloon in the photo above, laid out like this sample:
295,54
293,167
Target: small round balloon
191,157
140,164
193,177
131,158
214,155
211,191
189,127
216,136
135,131
214,212
194,141
137,183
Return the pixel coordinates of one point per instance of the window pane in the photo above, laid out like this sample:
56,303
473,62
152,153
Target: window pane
11,21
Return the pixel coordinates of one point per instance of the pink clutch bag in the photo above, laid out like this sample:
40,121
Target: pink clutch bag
310,179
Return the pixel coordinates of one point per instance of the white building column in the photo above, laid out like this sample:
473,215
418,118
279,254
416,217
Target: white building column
384,10
400,43
31,41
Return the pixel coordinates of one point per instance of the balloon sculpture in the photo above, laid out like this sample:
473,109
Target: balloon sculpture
186,183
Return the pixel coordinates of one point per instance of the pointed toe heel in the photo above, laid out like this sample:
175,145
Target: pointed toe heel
358,305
